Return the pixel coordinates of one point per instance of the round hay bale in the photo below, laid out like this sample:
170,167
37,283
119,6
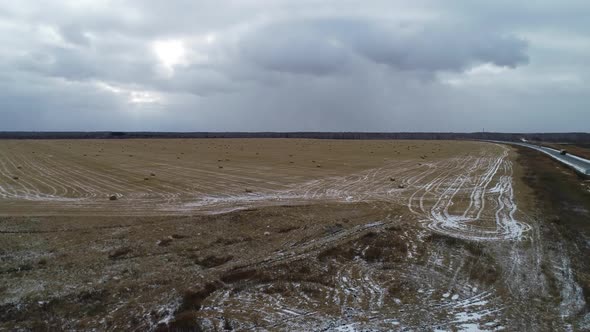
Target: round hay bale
113,198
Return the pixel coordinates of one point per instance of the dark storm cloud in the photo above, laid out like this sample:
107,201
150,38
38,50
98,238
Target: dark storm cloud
325,46
294,65
434,48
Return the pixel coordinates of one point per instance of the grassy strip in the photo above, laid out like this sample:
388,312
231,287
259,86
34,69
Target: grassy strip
564,200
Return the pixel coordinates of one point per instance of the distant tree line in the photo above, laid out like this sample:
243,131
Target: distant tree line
547,137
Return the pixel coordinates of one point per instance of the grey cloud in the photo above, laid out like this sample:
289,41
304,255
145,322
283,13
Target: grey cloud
295,47
317,46
32,103
74,34
294,65
325,46
435,48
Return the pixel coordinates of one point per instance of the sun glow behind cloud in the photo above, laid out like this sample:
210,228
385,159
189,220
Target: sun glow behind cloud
137,97
483,73
170,53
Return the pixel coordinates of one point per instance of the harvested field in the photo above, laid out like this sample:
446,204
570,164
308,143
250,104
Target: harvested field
251,234
183,176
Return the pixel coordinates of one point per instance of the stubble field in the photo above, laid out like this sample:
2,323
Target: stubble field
276,234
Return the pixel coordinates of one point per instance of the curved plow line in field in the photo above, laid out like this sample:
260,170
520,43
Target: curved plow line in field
360,293
102,182
435,186
371,185
32,190
228,184
84,186
20,188
435,198
50,173
49,177
240,178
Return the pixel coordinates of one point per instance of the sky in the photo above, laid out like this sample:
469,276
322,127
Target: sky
295,65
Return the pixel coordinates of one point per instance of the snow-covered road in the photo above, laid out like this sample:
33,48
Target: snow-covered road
581,165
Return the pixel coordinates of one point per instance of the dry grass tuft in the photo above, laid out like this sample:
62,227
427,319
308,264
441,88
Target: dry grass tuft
165,242
193,299
186,321
213,261
119,253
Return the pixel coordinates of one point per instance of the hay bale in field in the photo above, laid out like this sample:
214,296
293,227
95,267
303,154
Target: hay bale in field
248,191
145,179
15,177
219,166
152,174
113,198
392,179
401,186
